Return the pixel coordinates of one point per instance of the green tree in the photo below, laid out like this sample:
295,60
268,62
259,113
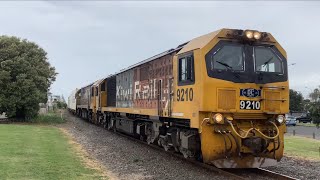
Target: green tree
61,105
296,101
314,106
314,110
315,95
25,77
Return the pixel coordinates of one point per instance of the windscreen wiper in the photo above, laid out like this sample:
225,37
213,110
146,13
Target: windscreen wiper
224,64
267,62
229,67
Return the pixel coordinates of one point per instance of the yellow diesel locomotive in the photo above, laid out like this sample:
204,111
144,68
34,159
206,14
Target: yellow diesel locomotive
220,98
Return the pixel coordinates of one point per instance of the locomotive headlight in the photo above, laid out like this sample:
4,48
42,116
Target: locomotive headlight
218,118
280,119
249,34
257,35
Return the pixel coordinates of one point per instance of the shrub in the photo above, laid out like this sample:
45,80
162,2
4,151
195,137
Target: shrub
50,118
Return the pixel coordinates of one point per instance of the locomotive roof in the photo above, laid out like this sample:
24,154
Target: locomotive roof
86,86
199,42
98,82
195,43
153,57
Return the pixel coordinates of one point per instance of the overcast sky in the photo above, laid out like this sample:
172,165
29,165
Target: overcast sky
89,40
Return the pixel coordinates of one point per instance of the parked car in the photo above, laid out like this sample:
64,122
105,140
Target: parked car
304,118
291,121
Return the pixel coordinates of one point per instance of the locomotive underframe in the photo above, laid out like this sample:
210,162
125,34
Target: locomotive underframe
170,133
176,135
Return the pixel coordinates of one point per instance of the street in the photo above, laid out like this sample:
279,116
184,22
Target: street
305,131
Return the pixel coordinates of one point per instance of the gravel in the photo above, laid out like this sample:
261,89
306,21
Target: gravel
126,159
298,168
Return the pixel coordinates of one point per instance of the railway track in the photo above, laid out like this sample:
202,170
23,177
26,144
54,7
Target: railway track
254,173
259,173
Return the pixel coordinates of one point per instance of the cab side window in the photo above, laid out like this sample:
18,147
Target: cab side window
186,70
103,86
92,91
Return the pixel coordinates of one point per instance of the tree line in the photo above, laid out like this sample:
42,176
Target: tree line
311,105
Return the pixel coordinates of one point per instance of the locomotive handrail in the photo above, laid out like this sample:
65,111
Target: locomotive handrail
234,130
204,119
247,132
273,87
264,99
268,137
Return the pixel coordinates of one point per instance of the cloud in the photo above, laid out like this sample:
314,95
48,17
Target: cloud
89,40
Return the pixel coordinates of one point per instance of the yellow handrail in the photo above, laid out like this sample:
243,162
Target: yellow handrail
246,135
247,132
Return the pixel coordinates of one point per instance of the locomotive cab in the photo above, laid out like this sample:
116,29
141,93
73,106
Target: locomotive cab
233,85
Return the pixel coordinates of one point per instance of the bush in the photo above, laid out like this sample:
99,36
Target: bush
61,105
315,112
50,118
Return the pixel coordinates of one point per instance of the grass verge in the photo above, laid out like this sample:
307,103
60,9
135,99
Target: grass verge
302,147
306,124
40,152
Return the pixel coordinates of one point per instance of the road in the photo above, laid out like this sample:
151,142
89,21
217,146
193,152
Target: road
304,131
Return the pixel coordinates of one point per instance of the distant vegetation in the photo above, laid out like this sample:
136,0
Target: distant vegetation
312,105
61,105
296,101
25,77
49,118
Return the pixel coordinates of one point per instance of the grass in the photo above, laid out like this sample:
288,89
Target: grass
39,152
49,118
302,147
306,124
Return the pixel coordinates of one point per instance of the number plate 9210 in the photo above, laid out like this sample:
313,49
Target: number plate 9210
250,105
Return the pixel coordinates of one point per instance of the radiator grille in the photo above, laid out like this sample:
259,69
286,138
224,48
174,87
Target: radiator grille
226,99
250,116
272,101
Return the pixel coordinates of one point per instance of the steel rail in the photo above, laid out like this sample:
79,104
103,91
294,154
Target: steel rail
273,174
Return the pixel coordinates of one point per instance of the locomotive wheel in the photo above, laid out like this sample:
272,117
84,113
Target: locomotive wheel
164,144
166,148
149,139
109,126
142,138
